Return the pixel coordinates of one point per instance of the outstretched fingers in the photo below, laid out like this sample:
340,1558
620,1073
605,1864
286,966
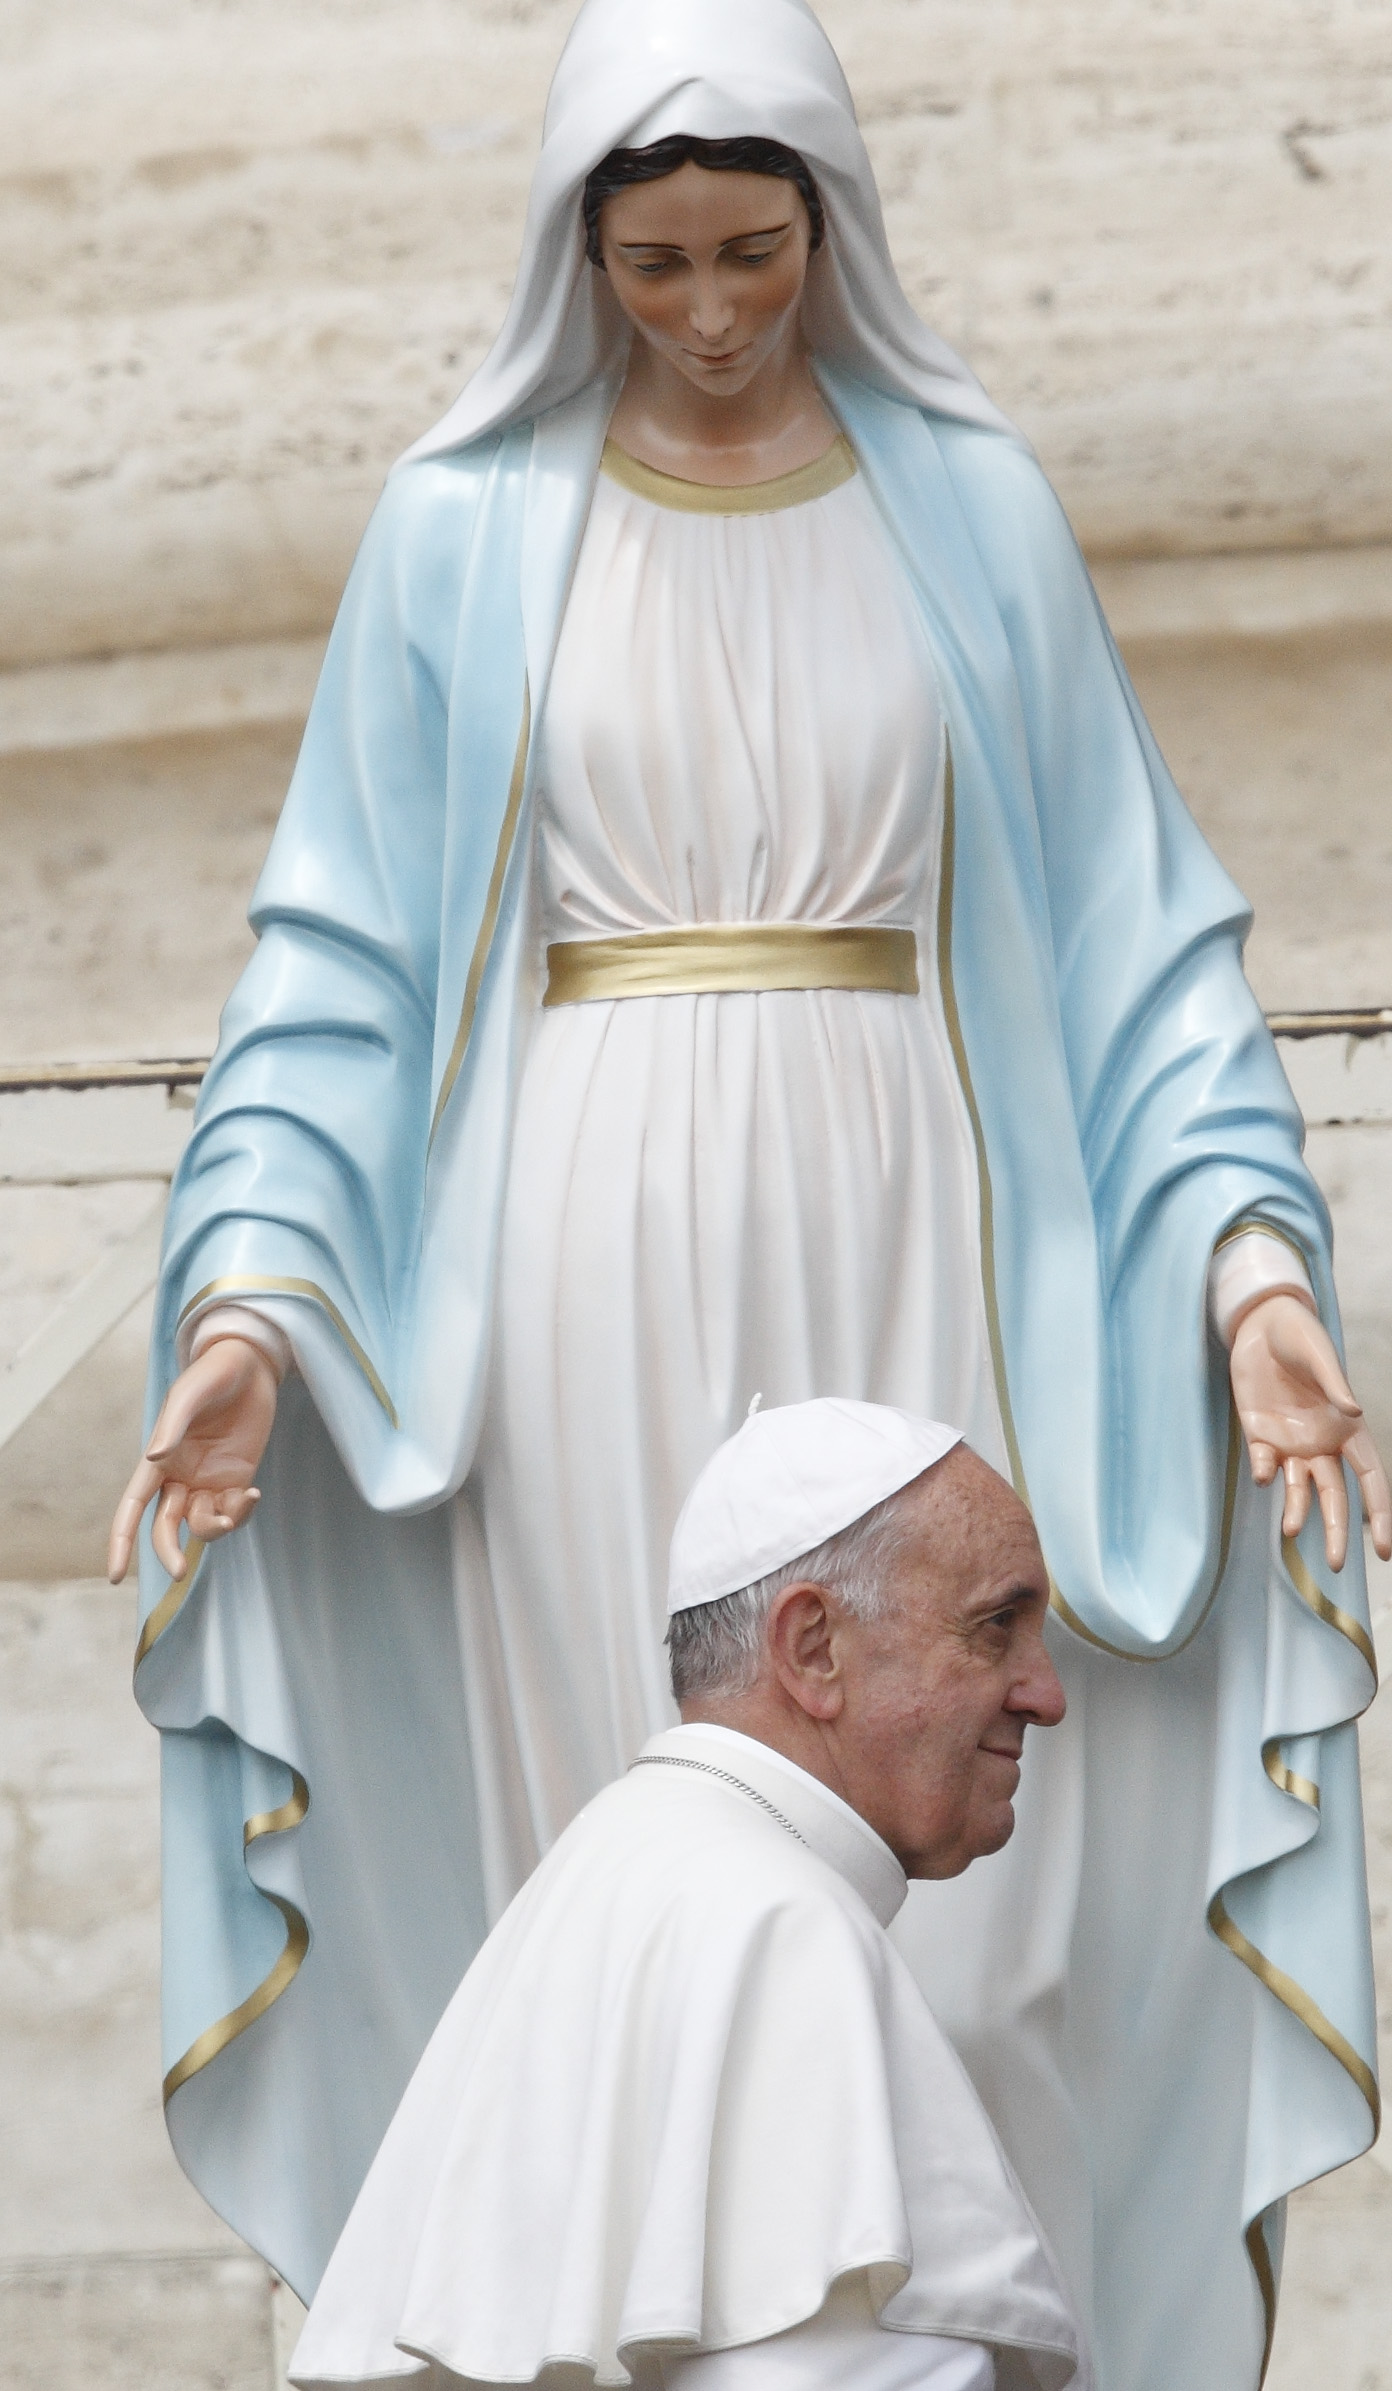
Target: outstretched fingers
1322,1476
146,1481
1298,1489
1362,1455
207,1513
169,1518
1327,1470
184,1401
214,1514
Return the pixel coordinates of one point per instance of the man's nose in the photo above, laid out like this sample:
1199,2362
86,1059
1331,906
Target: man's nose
1038,1695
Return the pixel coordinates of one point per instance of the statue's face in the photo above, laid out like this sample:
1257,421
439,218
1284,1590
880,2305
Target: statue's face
709,268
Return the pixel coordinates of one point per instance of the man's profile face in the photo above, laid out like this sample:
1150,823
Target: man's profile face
939,1691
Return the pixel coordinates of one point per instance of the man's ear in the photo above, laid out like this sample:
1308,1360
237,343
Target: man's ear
802,1648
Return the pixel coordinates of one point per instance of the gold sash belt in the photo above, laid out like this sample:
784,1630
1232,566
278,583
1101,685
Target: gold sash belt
717,958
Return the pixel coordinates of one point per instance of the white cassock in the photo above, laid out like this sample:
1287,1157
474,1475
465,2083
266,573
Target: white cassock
688,2122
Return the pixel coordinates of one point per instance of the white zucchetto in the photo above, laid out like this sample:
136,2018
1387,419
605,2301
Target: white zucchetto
790,1478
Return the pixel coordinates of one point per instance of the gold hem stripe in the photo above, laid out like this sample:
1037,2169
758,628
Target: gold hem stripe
947,872
215,2038
1260,2256
1287,1780
275,1822
237,1284
170,1603
1294,1997
1254,1226
826,473
725,958
1059,1602
1316,1600
484,941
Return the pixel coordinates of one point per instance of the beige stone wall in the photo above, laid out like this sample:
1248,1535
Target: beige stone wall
248,249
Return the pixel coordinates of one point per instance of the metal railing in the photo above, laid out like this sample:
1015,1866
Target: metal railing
129,1270
189,1070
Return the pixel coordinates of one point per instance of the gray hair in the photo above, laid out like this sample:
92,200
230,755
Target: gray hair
716,1647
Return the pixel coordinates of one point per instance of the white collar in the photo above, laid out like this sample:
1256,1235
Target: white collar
827,1825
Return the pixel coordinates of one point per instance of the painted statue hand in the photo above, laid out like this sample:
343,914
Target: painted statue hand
202,1457
1300,1415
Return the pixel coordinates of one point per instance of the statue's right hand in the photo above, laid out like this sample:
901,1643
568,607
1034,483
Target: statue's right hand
202,1457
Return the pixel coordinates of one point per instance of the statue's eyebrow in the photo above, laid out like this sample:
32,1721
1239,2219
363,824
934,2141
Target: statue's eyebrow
765,232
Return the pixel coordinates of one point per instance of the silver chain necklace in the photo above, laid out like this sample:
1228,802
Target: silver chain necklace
708,1769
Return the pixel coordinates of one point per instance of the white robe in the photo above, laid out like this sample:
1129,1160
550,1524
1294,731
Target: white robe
715,1196
687,2087
710,1196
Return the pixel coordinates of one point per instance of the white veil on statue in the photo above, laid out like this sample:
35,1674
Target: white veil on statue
637,71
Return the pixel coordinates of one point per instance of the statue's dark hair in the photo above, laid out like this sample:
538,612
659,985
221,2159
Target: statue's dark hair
747,154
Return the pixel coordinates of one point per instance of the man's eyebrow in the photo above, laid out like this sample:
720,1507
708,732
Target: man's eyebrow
1006,1598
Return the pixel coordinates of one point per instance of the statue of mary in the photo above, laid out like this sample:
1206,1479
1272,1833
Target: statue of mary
731,931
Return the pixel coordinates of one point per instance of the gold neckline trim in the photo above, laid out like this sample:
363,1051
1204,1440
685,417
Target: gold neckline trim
805,482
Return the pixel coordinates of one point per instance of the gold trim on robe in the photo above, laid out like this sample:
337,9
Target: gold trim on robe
171,1601
1260,2256
947,870
1252,1225
275,1822
215,2038
1288,1780
1316,1600
1294,1997
723,958
249,1283
826,473
484,941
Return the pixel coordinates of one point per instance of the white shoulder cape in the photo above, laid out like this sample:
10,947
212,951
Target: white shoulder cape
687,2085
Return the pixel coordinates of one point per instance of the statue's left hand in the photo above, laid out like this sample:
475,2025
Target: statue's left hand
1300,1415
